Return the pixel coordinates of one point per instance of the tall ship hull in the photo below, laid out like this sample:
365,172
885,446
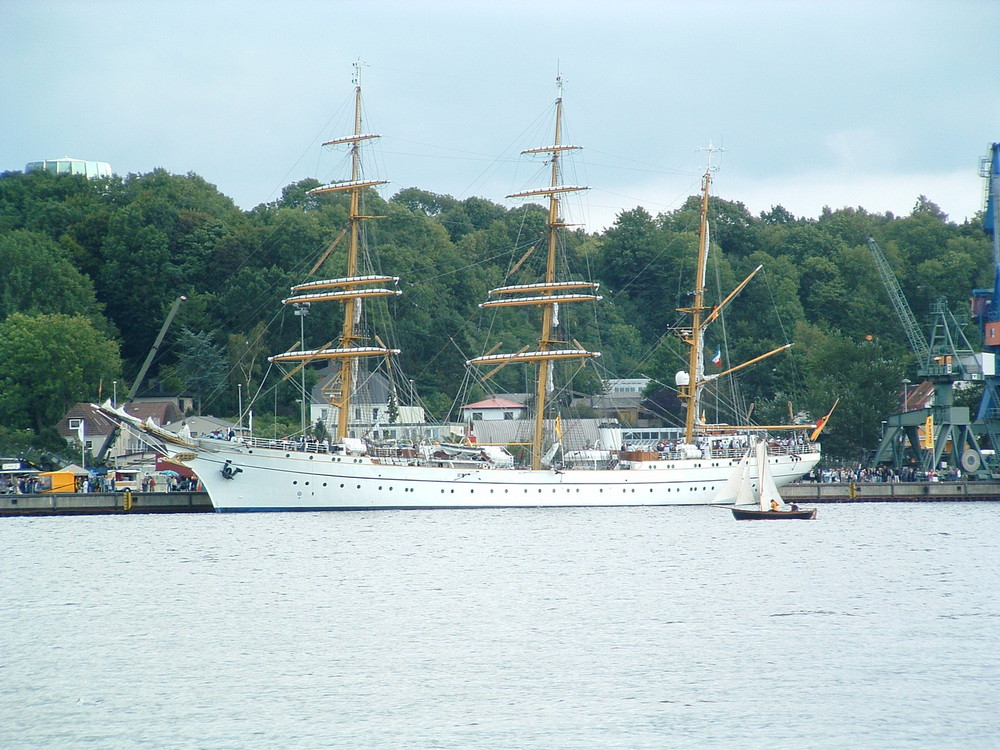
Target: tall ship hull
242,477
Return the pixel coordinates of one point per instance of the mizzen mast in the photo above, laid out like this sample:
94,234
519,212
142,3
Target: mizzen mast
693,337
548,294
351,289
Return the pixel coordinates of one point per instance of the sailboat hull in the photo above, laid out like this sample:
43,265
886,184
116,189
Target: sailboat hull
242,479
806,514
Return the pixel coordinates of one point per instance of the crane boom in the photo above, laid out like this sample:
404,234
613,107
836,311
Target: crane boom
142,372
917,340
156,347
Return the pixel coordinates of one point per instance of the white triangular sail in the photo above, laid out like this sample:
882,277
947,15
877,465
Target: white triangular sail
745,495
766,488
736,485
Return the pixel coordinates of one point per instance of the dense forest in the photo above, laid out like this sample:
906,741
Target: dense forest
94,265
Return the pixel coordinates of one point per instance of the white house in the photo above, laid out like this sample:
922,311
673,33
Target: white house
493,409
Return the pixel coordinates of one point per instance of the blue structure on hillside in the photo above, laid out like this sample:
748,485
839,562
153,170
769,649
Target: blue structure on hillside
986,303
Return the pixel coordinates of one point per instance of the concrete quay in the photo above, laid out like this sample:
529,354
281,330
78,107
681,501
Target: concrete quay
890,492
104,503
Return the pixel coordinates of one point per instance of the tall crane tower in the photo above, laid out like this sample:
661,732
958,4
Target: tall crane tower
944,357
986,303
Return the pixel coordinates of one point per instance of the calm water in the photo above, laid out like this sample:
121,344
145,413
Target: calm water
873,626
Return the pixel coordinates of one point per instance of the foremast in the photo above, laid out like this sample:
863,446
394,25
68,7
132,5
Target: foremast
548,294
351,289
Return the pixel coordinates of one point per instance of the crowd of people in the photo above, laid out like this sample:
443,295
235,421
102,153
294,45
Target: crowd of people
31,485
19,485
846,475
728,446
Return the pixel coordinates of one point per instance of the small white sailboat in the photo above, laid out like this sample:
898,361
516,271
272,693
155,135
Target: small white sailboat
743,494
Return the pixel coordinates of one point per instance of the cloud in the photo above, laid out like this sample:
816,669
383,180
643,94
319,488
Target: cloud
960,194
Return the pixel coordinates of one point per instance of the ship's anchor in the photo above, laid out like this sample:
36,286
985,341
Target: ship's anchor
229,471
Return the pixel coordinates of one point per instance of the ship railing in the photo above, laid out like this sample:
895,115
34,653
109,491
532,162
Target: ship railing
725,450
286,444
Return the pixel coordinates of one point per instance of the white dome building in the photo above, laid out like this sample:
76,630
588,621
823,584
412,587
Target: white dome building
66,165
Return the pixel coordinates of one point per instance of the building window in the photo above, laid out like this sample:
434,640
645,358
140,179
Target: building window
477,415
508,415
74,424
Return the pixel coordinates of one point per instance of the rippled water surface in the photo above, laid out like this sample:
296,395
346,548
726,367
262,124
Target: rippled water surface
873,626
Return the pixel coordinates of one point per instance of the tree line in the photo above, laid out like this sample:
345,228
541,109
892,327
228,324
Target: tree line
92,266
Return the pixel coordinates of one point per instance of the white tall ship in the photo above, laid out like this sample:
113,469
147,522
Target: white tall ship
253,474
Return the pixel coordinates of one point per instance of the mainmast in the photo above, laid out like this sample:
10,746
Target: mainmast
351,289
547,295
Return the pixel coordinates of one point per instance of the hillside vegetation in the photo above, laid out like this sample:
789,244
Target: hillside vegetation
92,266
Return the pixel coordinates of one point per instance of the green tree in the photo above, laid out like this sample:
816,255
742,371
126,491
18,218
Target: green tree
201,365
862,376
39,278
48,362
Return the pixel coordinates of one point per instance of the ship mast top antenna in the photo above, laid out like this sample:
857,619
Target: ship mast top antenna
710,149
356,78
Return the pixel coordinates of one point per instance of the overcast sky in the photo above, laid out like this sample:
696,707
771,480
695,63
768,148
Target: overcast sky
818,103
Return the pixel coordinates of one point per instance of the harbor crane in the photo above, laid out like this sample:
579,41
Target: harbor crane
142,371
944,357
986,304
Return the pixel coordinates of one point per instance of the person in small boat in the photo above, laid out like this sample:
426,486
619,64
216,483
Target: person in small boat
774,506
794,507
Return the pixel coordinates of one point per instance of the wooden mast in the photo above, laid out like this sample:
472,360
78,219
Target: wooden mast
352,289
353,222
694,340
547,294
694,336
545,339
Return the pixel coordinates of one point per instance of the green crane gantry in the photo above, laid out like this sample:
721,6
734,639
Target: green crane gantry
945,357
